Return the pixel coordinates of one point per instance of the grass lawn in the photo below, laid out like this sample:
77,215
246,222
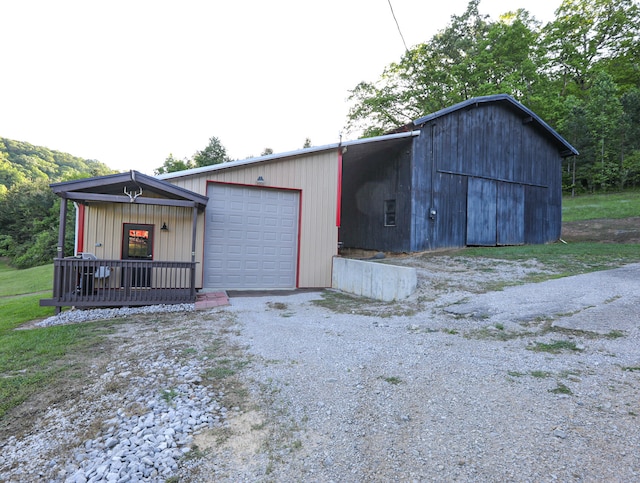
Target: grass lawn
33,359
592,207
31,280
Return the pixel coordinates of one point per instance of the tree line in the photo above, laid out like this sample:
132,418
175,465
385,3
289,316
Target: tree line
29,211
213,153
579,72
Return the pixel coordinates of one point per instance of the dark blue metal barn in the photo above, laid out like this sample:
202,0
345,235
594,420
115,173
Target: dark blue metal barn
484,172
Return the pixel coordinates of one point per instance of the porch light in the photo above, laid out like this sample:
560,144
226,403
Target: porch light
164,226
260,180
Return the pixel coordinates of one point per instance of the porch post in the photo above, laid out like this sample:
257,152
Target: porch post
193,251
58,271
62,228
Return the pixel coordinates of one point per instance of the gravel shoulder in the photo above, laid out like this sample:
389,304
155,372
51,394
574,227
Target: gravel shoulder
536,382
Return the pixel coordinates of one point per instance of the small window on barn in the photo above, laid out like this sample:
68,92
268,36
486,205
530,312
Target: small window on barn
390,213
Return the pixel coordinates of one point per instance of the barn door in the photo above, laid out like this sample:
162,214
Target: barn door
481,212
510,214
495,213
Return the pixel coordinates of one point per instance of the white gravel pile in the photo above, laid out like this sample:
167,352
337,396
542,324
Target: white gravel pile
76,316
147,432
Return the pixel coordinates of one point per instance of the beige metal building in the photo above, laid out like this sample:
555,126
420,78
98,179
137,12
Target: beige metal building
270,222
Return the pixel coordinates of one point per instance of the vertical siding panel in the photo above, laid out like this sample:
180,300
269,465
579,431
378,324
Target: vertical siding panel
315,175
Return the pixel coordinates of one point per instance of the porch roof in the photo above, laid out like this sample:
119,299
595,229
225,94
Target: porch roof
128,187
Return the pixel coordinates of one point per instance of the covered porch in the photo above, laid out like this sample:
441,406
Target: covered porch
140,260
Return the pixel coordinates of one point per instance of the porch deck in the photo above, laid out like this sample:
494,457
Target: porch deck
81,282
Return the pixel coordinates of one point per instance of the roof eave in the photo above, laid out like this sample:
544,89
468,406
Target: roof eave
284,155
132,176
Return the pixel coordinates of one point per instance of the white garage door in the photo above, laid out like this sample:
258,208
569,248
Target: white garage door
251,238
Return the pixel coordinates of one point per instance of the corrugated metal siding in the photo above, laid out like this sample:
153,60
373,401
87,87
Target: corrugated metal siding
316,177
104,224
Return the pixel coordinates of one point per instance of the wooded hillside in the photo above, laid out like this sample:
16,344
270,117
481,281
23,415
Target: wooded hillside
22,162
29,211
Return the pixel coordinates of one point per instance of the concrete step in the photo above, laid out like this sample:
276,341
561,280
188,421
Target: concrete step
209,300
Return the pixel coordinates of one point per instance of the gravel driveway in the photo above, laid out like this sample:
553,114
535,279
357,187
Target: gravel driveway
536,382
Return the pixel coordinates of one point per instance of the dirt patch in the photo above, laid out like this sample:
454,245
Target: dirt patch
625,230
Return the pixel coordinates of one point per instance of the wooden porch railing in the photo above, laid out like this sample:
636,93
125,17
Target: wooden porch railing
118,283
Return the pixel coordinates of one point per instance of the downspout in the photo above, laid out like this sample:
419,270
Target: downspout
193,252
341,150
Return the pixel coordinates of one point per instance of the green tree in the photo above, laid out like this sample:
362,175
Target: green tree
172,164
586,33
266,152
605,116
630,155
29,215
214,153
307,143
470,57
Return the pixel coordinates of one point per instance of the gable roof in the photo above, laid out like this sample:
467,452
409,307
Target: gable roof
509,102
114,188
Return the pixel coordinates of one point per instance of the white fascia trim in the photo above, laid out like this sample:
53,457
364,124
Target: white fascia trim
288,154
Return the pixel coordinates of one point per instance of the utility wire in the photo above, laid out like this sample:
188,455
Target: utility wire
398,25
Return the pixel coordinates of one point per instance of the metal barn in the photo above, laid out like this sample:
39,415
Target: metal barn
484,172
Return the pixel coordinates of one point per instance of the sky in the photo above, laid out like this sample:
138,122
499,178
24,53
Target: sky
128,82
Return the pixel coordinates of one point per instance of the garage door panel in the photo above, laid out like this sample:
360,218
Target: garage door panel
256,236
270,221
285,252
234,250
252,251
216,233
214,248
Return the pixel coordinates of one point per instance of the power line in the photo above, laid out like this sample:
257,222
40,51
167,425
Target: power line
398,25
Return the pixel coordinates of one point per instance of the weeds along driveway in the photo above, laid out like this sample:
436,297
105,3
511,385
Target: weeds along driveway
538,382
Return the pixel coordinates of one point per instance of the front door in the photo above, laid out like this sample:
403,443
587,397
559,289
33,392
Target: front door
137,244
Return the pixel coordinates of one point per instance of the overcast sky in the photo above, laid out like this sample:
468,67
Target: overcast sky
129,82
